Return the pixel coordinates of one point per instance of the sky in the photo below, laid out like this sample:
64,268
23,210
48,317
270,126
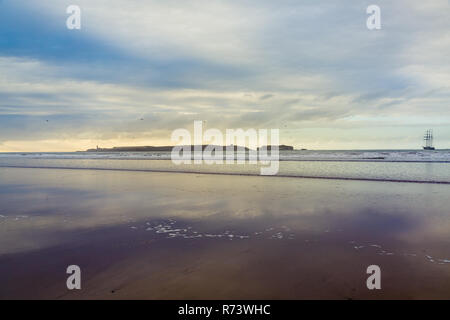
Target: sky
137,70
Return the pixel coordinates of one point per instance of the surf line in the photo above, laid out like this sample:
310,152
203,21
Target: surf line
231,174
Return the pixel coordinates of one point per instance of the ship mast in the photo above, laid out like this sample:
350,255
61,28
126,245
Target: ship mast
428,139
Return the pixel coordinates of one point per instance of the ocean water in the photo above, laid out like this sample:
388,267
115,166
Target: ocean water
381,165
297,155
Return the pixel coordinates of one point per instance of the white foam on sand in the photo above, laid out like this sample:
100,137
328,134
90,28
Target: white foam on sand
171,229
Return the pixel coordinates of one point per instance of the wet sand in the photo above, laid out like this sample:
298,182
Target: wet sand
144,235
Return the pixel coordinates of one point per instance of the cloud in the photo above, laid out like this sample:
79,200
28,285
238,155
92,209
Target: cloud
311,67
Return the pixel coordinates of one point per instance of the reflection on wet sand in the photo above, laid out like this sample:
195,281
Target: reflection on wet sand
177,236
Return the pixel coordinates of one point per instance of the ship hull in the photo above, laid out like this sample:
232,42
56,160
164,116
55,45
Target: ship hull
428,148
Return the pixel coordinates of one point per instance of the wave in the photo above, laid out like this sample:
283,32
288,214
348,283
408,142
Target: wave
441,156
237,174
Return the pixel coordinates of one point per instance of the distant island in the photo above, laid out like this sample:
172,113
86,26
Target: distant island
280,147
169,148
134,149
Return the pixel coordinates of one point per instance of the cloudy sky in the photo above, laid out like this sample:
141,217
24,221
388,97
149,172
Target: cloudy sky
310,68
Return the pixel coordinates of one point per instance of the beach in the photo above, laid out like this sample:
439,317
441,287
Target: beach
240,152
178,235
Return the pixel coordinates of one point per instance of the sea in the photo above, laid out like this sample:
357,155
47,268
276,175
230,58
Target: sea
416,166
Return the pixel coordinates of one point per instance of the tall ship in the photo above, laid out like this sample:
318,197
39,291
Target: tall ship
428,138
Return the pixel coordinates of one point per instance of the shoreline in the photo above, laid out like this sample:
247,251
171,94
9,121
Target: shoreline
236,174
